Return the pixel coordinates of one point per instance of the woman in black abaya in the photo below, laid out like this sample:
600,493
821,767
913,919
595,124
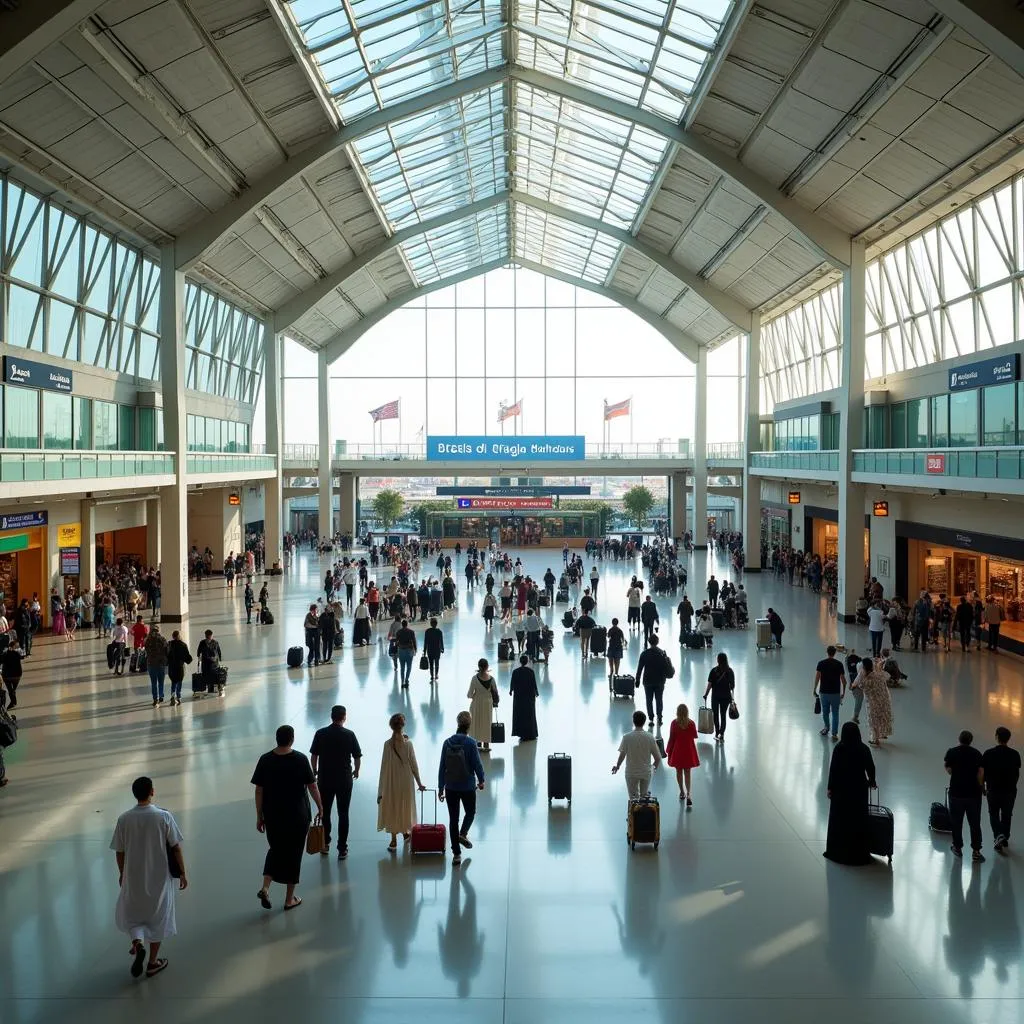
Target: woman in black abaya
523,687
850,776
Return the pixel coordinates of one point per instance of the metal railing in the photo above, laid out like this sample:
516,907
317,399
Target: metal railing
992,463
816,461
29,465
229,462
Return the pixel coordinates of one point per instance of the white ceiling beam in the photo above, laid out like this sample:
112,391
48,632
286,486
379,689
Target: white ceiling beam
36,25
996,24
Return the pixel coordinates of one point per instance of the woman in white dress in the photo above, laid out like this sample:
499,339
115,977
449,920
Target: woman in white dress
396,803
483,699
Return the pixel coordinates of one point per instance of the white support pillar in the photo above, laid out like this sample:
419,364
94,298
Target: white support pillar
173,499
87,554
851,496
153,532
752,441
677,505
700,453
349,490
325,504
272,535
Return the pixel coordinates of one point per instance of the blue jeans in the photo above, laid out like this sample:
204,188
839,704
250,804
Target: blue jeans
405,662
876,642
176,689
830,706
156,681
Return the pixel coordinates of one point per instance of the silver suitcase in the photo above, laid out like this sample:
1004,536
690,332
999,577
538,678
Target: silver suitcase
762,634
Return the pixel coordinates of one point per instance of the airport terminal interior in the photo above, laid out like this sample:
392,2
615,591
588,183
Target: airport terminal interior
735,285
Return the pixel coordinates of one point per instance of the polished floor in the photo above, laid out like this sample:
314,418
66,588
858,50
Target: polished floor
551,918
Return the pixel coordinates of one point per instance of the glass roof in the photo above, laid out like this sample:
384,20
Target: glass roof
516,136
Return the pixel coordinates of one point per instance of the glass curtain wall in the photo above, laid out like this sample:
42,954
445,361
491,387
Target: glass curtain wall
513,338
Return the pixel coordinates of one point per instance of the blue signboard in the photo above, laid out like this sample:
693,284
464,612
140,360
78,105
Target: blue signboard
986,371
525,448
450,491
22,520
29,374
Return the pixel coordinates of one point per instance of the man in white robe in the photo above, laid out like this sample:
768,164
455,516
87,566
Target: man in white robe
146,841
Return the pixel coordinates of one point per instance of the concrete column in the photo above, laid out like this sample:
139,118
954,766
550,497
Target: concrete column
87,575
153,532
700,453
851,497
173,507
348,491
677,505
751,523
326,526
272,494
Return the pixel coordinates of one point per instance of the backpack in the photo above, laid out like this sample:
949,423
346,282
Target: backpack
670,669
456,769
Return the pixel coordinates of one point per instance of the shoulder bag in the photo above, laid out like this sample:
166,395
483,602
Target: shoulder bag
8,728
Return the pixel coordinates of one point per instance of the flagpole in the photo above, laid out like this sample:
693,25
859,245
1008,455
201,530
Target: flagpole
631,420
399,424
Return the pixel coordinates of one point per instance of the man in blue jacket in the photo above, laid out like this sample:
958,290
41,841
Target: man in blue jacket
456,785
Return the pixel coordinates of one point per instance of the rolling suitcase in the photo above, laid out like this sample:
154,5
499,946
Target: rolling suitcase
623,686
559,777
562,597
938,817
598,640
881,833
267,617
543,599
111,655
718,619
695,641
198,684
643,822
294,657
505,649
428,838
705,720
762,634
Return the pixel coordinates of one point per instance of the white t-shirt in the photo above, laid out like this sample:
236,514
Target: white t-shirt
633,597
119,634
876,620
639,748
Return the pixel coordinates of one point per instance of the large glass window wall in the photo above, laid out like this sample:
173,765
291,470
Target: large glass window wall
207,434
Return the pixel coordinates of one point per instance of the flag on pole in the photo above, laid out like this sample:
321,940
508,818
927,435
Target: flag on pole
507,412
619,409
390,411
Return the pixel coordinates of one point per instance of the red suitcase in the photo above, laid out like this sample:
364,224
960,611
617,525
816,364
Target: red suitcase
428,838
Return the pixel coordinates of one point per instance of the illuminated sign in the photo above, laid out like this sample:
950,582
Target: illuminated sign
935,463
794,497
69,535
880,509
501,504
234,499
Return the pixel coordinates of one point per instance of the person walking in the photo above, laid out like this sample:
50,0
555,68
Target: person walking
776,625
533,625
155,646
894,616
584,626
963,620
649,619
966,771
713,591
993,617
685,613
681,751
524,693
634,598
178,656
311,625
830,689
549,585
639,750
459,775
11,671
483,699
1002,773
722,687
399,772
327,626
248,599
119,640
595,579
284,783
405,643
851,774
361,624
876,628
210,655
145,839
334,756
490,604
652,669
433,648
616,646
874,685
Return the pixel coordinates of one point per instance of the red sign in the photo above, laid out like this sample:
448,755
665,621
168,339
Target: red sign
502,504
935,463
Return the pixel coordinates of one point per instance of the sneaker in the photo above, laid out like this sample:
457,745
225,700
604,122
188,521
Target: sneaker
343,853
689,802
824,732
1000,844
835,735
456,860
978,857
463,841
957,851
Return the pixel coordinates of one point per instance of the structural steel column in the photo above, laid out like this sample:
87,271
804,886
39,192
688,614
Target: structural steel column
153,532
173,499
851,496
752,442
87,555
700,453
677,505
347,514
273,495
325,504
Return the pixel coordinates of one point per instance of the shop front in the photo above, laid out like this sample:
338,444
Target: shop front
513,529
121,548
959,563
821,535
23,559
776,528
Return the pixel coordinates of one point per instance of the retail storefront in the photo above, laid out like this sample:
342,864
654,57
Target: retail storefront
776,527
116,548
821,534
23,558
513,529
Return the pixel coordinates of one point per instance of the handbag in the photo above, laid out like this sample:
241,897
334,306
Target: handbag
424,663
734,712
315,837
8,728
817,704
392,648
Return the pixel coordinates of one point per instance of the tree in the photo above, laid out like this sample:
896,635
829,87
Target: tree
637,502
388,506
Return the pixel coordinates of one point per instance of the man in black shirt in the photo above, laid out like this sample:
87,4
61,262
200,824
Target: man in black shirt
830,688
333,751
966,775
1002,772
653,668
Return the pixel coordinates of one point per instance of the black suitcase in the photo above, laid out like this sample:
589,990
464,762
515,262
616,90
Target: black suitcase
559,777
294,657
718,619
881,831
938,817
267,617
504,650
624,686
562,597
543,600
111,655
695,641
436,602
198,683
598,640
643,822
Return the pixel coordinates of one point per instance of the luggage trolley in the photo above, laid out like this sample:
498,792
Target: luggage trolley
763,635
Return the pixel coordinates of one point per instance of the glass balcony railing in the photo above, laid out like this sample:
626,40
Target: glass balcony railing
816,461
973,463
28,465
229,462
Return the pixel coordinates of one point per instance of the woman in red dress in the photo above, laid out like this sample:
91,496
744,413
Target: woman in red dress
681,751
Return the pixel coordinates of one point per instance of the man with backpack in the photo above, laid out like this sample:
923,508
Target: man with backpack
653,668
459,775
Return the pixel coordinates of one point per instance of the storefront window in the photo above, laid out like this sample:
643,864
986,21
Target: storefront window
963,419
82,412
57,430
104,425
917,423
21,418
1000,415
126,428
940,421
